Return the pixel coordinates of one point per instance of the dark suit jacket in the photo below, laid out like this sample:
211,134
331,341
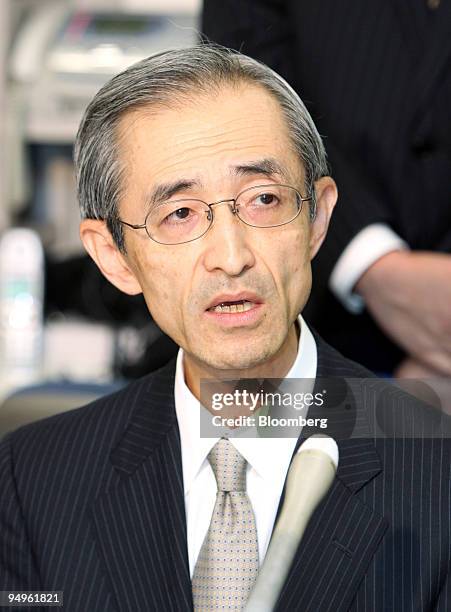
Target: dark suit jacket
92,504
376,76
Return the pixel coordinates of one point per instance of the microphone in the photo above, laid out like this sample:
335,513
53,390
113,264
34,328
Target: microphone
310,476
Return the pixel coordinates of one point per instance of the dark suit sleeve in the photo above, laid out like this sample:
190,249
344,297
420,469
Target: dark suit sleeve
263,29
17,566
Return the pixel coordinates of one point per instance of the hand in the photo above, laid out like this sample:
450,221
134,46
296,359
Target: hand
425,383
411,368
409,296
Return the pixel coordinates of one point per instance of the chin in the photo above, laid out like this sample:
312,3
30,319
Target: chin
236,358
244,363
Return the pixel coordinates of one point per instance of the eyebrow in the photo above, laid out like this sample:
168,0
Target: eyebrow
164,191
268,167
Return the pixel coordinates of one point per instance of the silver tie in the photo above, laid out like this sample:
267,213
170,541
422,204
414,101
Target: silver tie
228,560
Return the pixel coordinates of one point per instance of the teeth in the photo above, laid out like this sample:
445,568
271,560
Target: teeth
231,308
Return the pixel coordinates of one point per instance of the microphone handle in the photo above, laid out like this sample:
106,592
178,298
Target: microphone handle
270,578
310,477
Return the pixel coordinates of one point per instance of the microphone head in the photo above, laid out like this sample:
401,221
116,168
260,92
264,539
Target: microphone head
325,444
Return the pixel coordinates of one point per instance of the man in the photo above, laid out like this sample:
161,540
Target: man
377,79
203,183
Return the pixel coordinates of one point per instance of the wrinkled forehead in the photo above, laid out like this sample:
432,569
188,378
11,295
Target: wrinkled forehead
207,133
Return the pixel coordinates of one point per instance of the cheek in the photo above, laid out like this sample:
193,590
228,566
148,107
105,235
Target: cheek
163,288
296,277
294,260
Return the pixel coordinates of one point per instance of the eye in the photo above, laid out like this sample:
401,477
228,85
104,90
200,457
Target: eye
266,198
180,214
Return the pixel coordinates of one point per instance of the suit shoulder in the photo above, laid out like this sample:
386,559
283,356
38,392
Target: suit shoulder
97,425
395,409
332,363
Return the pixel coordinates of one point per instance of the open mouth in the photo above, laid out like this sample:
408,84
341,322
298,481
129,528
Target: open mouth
231,307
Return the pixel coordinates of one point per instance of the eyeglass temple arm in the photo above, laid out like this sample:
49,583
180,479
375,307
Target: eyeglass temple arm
311,198
142,226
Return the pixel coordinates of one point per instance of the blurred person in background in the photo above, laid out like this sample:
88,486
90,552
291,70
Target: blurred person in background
376,76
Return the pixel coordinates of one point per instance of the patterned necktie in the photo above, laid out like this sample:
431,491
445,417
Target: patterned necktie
228,560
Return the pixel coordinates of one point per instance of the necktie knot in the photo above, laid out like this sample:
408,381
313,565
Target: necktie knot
229,466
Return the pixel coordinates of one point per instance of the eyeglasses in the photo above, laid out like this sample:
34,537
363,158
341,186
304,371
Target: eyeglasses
180,221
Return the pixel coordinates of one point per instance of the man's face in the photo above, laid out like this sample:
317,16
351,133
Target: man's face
215,147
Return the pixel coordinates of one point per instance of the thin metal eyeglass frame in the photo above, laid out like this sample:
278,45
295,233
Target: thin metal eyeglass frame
233,210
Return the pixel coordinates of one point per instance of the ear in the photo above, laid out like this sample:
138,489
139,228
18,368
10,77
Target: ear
326,198
99,243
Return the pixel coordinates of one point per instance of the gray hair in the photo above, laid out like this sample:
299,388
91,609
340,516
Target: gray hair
157,81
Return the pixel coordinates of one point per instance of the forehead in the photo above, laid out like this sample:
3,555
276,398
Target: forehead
206,138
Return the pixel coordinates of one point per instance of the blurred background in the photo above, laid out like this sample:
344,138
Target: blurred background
376,77
66,335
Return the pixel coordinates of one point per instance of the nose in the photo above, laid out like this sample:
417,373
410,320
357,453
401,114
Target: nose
228,247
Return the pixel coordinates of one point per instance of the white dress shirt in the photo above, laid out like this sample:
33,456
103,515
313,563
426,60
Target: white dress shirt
369,245
268,458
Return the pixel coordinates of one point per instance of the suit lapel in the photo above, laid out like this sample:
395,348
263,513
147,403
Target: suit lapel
340,541
344,533
140,523
435,61
407,23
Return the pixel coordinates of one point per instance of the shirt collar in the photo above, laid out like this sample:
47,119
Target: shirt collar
269,457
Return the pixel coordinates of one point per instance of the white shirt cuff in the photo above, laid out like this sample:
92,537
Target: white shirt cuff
369,245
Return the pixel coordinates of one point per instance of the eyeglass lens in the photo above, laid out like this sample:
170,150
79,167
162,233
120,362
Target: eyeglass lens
185,220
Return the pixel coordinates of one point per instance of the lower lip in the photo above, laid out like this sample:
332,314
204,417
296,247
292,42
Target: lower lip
236,319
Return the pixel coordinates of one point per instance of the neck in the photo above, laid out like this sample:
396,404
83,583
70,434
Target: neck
277,366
